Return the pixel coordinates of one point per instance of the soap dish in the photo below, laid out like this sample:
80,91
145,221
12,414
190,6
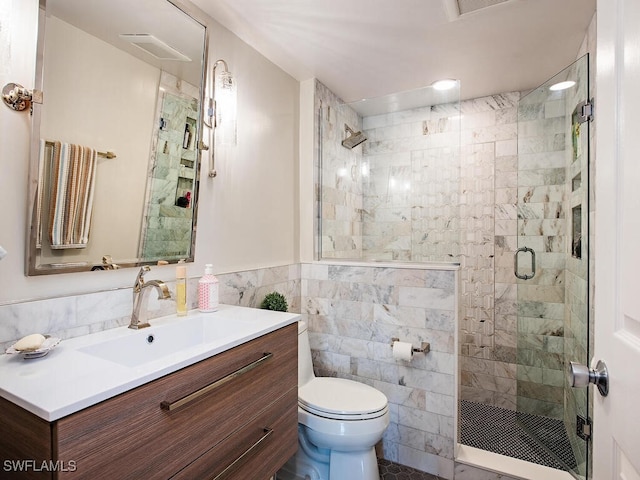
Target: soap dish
48,345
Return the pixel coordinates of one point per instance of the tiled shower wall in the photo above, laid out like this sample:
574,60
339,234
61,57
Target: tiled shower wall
338,178
487,335
542,225
411,185
428,185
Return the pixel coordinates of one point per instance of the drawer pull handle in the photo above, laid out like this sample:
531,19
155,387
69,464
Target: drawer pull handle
212,386
222,474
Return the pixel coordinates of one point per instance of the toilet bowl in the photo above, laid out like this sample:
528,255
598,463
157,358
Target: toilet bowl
339,423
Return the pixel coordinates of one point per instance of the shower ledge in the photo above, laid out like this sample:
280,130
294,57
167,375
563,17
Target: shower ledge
390,264
513,467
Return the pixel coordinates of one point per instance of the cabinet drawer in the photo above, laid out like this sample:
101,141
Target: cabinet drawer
133,436
255,451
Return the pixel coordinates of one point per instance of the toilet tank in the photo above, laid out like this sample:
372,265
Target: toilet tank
305,365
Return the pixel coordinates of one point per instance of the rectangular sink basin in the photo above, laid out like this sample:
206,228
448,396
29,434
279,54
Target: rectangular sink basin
138,347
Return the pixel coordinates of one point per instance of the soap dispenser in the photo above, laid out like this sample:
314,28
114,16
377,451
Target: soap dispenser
208,290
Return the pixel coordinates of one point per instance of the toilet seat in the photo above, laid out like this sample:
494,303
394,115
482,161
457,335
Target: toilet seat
341,399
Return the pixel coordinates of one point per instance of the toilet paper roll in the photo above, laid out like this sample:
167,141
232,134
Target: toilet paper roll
402,351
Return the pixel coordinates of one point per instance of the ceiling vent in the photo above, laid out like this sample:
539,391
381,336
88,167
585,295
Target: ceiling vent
456,8
154,46
468,6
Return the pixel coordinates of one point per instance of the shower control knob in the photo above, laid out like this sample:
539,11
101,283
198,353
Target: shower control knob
581,376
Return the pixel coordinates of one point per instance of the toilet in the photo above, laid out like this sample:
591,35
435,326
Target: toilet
339,423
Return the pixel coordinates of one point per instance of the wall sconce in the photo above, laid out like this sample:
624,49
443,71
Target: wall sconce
222,111
18,98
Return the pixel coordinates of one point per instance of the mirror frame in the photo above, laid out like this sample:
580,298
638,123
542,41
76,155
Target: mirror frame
32,268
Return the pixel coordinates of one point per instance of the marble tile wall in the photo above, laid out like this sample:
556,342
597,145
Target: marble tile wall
440,184
339,178
72,316
488,173
353,312
411,188
544,144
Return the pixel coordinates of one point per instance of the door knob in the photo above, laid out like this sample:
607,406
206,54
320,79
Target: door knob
582,376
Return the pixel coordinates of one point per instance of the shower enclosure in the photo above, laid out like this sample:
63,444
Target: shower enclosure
541,285
500,186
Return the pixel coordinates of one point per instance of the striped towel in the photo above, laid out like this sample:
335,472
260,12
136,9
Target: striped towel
72,172
40,192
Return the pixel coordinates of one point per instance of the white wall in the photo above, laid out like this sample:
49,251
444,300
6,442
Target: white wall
248,213
247,216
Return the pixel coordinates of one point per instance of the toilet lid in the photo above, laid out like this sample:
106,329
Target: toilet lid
341,398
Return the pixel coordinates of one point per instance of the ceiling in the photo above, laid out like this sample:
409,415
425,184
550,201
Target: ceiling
369,48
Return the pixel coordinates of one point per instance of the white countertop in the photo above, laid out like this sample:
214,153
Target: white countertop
69,378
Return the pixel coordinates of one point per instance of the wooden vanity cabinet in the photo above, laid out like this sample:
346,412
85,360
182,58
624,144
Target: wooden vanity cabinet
231,416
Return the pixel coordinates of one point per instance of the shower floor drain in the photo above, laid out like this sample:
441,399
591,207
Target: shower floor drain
499,430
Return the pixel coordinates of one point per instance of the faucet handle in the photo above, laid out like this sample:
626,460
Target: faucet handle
140,278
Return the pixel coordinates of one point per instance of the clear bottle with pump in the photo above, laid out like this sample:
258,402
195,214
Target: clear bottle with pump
181,291
208,290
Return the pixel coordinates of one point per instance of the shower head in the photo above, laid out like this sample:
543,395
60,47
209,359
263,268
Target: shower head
354,139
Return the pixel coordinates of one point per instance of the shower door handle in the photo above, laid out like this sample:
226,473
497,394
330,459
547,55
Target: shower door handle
581,376
525,276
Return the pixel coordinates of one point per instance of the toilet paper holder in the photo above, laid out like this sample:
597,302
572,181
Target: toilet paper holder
424,346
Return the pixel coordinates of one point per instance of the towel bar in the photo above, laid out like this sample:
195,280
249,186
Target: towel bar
108,155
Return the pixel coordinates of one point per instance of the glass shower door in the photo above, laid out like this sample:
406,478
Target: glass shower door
551,267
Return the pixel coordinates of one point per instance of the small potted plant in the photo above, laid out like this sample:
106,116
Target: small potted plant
274,301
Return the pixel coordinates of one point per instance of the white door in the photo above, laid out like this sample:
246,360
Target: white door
616,418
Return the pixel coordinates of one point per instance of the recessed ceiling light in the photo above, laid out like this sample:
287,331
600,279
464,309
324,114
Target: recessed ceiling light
562,85
154,46
446,84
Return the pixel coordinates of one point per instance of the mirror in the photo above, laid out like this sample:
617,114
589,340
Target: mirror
116,143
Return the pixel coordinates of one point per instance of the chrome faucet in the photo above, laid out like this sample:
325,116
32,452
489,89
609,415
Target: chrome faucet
139,288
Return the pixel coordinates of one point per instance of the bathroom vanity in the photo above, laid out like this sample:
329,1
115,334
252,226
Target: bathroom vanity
221,408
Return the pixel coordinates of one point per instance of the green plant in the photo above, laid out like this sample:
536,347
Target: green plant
274,301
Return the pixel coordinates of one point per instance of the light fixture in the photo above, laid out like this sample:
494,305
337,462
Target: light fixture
445,84
222,111
562,85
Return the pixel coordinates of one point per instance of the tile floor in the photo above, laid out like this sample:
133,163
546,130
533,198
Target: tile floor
393,471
